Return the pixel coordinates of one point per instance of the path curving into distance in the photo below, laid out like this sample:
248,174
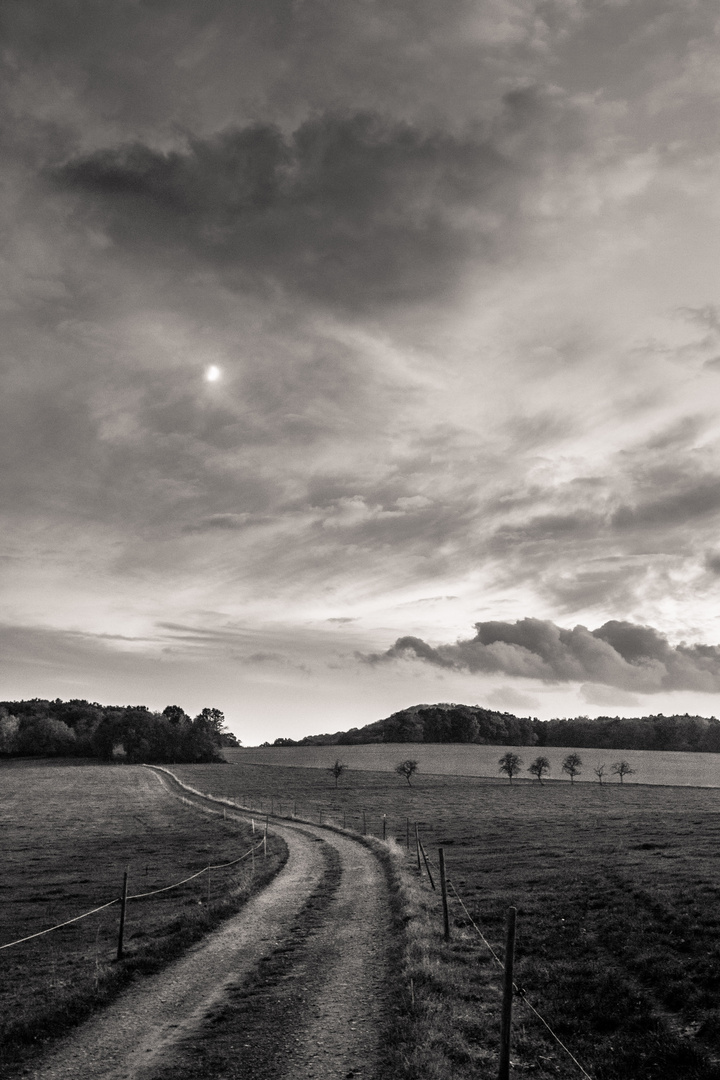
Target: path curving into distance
295,984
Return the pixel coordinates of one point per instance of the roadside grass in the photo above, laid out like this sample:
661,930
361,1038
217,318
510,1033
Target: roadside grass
618,898
69,832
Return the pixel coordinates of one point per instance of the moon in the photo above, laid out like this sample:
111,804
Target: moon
212,373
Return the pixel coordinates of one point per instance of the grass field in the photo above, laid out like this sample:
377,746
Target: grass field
665,767
618,898
69,831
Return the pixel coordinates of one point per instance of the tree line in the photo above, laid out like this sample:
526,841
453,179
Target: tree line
512,765
131,733
452,723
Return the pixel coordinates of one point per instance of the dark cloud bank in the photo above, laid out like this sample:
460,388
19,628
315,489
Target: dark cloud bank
621,654
350,208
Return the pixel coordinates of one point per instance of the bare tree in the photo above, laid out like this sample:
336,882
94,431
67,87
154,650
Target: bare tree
539,766
572,765
599,771
621,769
511,764
407,769
337,770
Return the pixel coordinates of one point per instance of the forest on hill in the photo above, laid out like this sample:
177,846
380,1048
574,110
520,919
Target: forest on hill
131,733
452,723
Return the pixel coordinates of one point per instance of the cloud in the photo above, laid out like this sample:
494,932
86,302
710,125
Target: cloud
355,210
351,209
620,654
699,500
219,521
607,696
508,698
196,64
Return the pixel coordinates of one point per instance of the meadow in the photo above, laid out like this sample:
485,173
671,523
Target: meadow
617,890
676,768
70,830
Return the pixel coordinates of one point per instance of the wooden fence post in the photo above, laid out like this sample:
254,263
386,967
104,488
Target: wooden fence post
407,833
443,891
506,1025
123,905
384,827
427,866
265,842
417,847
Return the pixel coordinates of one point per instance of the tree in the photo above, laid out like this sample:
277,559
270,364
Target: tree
211,721
337,770
539,766
511,764
407,769
45,737
599,771
175,714
9,725
572,766
621,769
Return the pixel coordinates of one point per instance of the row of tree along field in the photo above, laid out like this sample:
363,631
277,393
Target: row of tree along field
132,733
512,765
451,723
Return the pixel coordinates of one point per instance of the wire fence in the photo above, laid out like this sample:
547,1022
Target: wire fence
520,992
137,896
59,926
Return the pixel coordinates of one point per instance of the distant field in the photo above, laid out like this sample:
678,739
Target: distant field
651,766
618,897
69,831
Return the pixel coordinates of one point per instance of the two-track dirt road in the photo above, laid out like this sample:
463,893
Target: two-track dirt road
294,986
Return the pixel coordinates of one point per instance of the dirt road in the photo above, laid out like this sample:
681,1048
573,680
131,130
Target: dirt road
293,986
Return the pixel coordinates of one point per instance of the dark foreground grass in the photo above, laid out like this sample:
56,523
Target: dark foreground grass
69,832
618,898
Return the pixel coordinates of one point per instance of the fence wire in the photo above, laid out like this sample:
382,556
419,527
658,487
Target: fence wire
137,896
519,993
59,925
217,866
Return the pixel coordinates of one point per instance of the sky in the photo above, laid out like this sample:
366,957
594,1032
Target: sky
360,353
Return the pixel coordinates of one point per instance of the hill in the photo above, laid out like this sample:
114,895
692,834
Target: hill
452,723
